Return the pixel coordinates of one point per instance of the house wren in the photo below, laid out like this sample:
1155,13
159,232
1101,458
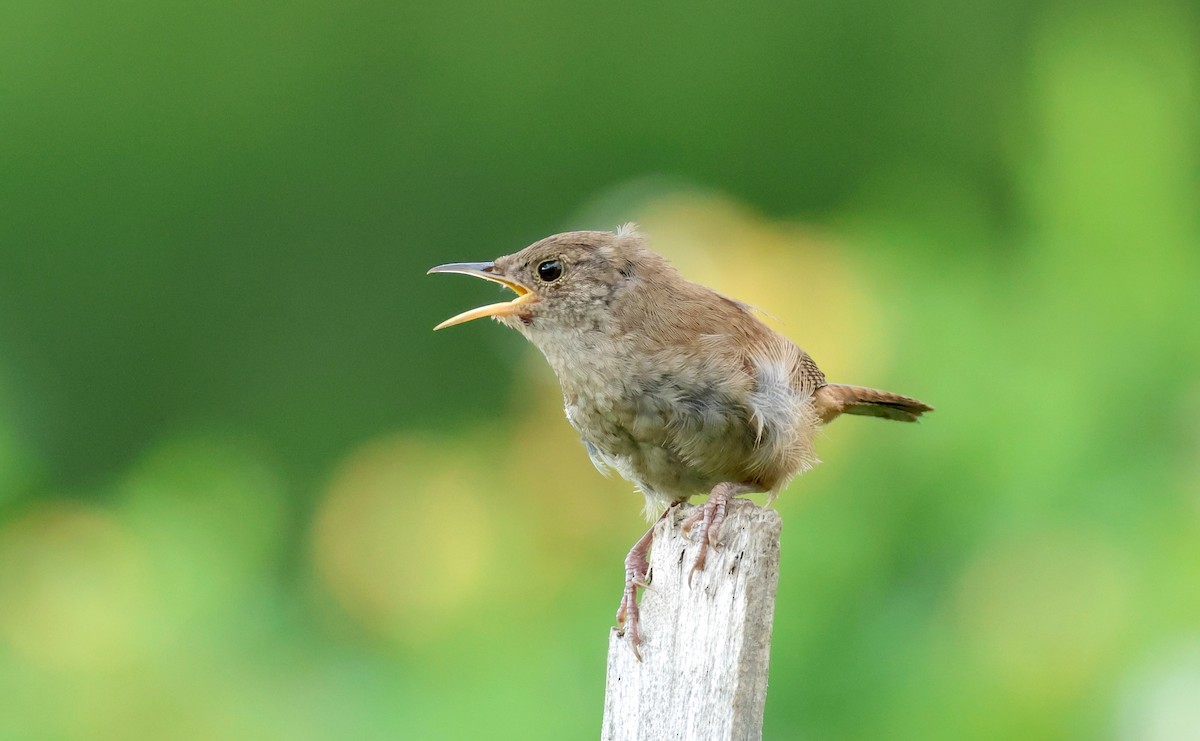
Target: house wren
679,389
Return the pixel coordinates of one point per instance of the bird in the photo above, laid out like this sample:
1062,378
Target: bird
676,387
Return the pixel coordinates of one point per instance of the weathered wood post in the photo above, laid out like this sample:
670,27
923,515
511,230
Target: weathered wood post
706,648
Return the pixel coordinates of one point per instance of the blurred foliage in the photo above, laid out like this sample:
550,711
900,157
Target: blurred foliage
246,493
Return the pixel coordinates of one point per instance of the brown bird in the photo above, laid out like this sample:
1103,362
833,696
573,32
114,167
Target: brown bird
679,389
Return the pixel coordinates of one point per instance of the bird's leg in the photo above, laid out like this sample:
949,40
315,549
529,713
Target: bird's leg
709,517
637,574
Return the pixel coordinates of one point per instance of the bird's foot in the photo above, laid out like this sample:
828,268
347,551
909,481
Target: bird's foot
637,574
705,523
628,618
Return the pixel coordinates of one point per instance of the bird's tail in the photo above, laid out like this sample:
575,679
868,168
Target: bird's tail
834,399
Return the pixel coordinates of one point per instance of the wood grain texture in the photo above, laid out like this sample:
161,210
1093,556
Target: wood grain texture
707,646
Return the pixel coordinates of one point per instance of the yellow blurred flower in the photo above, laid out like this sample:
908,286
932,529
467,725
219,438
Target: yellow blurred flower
401,536
73,588
1043,614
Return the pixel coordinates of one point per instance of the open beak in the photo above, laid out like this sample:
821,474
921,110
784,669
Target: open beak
487,271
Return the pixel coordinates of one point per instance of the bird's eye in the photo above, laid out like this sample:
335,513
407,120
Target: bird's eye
549,270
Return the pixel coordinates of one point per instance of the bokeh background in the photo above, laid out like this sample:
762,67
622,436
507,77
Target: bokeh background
245,492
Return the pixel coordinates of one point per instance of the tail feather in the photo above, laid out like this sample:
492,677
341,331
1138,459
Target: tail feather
835,398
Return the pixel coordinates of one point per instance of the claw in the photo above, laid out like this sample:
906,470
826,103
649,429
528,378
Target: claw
627,620
644,586
709,517
637,576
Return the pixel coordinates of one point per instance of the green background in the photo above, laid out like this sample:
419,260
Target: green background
245,492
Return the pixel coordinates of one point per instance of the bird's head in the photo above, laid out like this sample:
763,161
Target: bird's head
567,282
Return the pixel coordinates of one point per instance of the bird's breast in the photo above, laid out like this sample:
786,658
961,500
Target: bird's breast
676,430
672,436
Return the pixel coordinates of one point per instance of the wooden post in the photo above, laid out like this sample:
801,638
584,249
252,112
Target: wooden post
706,648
